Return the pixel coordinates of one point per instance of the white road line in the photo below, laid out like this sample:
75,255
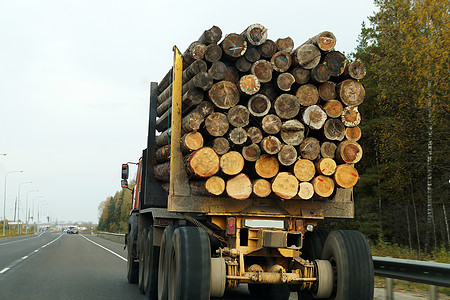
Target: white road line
12,242
25,257
123,258
36,251
4,270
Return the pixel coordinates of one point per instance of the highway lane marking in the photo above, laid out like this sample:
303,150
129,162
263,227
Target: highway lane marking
25,257
121,257
4,270
21,240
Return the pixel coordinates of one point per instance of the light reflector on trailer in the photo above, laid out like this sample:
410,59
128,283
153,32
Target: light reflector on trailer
299,225
231,226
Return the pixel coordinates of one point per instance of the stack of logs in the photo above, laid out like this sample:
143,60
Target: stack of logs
263,117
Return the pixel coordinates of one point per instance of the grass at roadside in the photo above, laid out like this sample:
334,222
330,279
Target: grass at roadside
12,232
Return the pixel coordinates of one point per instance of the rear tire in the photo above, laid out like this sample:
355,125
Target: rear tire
142,265
151,267
163,265
132,265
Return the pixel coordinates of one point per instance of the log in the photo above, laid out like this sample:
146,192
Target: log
263,70
281,61
292,132
346,176
252,54
323,186
285,81
231,163
189,142
333,108
218,70
307,94
216,124
285,44
215,185
262,188
243,65
162,154
287,106
191,122
224,94
320,73
221,145
195,68
199,187
268,48
287,155
307,56
259,105
165,82
327,91
328,149
267,166
163,138
271,124
194,52
271,145
306,190
255,135
190,99
251,152
335,62
269,90
325,41
309,148
249,84
238,136
301,75
162,171
238,116
202,163
211,36
351,116
314,117
334,130
232,75
239,187
213,53
285,185
355,70
326,166
304,169
234,45
351,92
202,80
255,34
353,134
349,152
204,108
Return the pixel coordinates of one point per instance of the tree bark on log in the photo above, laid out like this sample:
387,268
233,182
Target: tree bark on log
239,187
271,124
335,62
346,176
333,108
328,149
213,53
325,41
218,70
263,70
351,117
287,106
327,91
301,75
306,190
281,61
215,185
251,152
189,142
353,134
202,163
349,152
268,48
255,135
323,186
287,155
224,94
304,169
216,124
232,75
202,80
271,145
285,44
314,117
238,136
285,185
334,130
320,73
252,54
221,145
267,166
262,188
162,171
231,163
326,166
162,154
351,92
249,84
292,132
238,116
259,105
242,64
191,122
307,94
211,36
190,99
307,56
234,45
285,81
255,34
309,148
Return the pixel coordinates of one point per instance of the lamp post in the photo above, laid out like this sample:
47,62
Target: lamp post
18,206
27,215
4,201
38,209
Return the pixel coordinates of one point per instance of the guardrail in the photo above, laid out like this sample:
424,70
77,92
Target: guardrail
115,237
428,272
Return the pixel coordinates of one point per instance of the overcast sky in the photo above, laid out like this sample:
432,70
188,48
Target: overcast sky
74,81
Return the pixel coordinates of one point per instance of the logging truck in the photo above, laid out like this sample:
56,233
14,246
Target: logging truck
231,190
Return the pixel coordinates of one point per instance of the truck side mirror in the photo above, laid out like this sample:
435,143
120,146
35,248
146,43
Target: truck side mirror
124,183
125,171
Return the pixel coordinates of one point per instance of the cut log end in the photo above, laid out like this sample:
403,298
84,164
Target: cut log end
304,170
292,132
203,162
249,84
287,106
216,124
259,105
251,152
307,94
285,185
314,117
262,188
281,61
306,190
224,94
254,134
267,166
231,163
215,185
323,186
221,145
309,148
271,124
346,176
239,187
326,166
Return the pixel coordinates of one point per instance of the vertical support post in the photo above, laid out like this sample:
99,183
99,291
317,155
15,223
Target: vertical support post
433,290
389,289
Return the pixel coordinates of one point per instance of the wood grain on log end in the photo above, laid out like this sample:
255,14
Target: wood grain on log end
267,166
323,186
285,44
292,132
217,124
349,152
249,84
351,92
327,91
256,34
239,187
234,45
304,169
238,136
333,108
314,117
346,176
287,155
268,48
262,188
351,116
307,94
353,133
238,116
285,185
263,70
281,61
271,144
335,62
308,56
215,185
301,75
328,149
306,190
287,106
251,152
334,129
231,163
204,162
326,166
254,134
221,145
285,81
309,148
271,124
259,105
224,94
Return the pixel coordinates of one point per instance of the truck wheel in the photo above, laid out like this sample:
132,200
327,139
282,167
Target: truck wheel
132,265
190,265
143,245
151,267
351,261
269,291
163,264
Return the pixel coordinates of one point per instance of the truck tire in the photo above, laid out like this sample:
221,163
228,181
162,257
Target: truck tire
132,265
143,244
351,260
163,264
190,265
269,291
151,267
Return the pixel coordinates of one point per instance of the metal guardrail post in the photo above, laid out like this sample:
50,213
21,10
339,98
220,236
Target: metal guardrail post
389,289
433,290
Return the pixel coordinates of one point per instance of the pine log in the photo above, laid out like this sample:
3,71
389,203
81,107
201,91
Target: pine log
238,136
238,116
232,75
301,75
325,41
231,163
287,155
195,68
268,89
353,134
162,171
323,186
306,190
267,166
215,185
351,116
271,124
327,91
326,166
211,36
165,82
249,84
271,144
320,73
163,138
224,94
190,98
255,34
292,132
189,142
213,53
281,61
202,163
349,152
162,154
306,56
191,122
285,185
198,187
243,65
259,105
204,108
304,169
307,94
328,149
287,106
252,54
218,70
221,145
351,92
335,62
239,187
314,117
285,81
216,124
202,80
255,135
346,176
262,188
263,70
355,70
334,130
309,148
251,152
285,44
234,45
268,48
333,108
195,51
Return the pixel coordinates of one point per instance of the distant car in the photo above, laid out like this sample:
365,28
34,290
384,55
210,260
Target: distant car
72,231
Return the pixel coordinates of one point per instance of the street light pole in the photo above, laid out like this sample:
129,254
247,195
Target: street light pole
27,215
4,201
38,208
18,206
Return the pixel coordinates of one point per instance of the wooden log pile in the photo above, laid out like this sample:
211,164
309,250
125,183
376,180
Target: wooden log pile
263,118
